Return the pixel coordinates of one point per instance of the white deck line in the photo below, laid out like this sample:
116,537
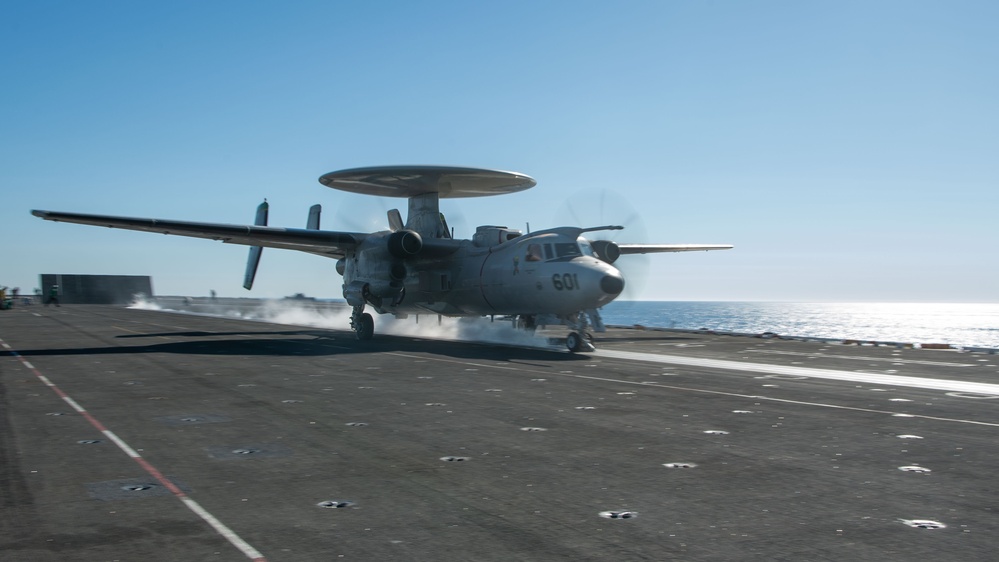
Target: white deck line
757,368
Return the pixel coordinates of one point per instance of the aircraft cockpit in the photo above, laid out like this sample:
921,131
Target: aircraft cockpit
558,251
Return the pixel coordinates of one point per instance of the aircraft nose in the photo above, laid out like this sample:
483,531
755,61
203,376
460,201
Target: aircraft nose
612,284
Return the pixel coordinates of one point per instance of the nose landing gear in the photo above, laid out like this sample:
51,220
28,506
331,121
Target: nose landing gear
576,342
580,338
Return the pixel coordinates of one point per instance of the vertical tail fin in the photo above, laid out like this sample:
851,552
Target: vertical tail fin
395,220
254,259
314,212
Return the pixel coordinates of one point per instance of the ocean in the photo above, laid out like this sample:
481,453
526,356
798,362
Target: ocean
957,324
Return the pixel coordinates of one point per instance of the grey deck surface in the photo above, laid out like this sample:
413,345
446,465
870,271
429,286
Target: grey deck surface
260,423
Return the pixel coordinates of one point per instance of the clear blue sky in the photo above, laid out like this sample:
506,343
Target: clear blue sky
850,150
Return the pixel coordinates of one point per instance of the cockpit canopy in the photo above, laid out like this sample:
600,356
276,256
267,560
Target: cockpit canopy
558,250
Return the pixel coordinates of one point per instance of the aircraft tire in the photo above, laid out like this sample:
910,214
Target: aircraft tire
574,342
365,327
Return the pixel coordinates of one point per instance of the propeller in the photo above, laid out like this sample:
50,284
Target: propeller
602,206
360,213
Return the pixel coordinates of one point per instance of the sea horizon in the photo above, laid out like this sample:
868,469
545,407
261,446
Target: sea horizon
963,324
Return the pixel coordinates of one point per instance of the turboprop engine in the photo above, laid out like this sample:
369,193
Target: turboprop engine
377,270
606,250
405,244
386,281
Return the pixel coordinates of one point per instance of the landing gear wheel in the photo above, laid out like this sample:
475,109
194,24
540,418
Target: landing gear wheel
574,342
365,327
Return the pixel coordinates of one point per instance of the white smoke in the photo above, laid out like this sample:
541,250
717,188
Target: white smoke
296,313
142,303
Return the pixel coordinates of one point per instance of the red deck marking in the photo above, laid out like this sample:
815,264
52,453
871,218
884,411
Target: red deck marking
218,526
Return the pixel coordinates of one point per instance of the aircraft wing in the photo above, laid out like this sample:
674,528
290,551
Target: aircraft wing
656,248
321,242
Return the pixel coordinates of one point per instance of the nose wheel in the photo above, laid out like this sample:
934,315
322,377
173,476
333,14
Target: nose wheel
576,342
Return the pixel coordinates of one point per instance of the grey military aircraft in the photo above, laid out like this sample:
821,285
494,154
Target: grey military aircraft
548,277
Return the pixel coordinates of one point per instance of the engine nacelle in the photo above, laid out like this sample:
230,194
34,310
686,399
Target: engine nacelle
405,244
397,271
385,281
380,289
606,250
376,289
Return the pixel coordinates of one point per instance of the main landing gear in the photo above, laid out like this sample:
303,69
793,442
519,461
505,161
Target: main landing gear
362,323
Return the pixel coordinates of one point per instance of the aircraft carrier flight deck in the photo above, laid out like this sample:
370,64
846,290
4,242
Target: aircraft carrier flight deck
143,435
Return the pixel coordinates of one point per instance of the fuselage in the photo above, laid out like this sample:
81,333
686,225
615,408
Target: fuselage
500,272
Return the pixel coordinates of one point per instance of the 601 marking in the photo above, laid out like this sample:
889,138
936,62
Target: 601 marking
566,281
